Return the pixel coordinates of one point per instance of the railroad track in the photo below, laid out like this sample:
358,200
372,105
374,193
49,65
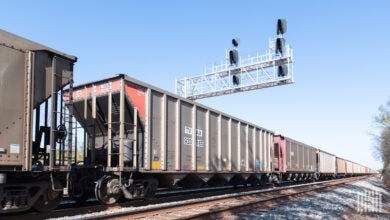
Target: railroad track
164,196
220,206
197,205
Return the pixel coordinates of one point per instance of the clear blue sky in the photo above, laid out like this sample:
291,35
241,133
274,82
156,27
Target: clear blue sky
341,49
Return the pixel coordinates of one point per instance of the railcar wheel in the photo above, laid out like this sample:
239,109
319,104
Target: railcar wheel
83,189
50,199
108,190
151,187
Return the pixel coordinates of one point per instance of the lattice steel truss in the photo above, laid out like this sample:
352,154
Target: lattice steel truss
254,71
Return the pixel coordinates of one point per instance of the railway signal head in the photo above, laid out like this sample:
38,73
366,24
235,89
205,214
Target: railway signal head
280,45
236,80
233,57
235,42
282,70
281,26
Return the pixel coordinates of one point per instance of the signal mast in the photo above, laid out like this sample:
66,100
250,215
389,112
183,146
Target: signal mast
238,74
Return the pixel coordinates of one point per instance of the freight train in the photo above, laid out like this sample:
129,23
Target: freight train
133,138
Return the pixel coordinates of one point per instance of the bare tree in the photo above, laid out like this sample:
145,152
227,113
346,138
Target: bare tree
382,148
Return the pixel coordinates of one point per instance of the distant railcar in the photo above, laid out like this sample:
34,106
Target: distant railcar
298,159
326,164
341,167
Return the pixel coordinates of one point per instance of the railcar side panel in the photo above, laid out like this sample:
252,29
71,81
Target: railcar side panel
341,166
267,156
214,141
349,167
258,148
157,126
243,147
12,99
225,145
172,135
201,130
234,145
251,149
186,139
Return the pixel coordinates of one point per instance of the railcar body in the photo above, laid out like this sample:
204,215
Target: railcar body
326,164
137,129
341,165
32,77
298,159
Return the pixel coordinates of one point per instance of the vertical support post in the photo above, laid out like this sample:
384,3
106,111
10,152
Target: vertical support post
247,148
28,111
254,144
46,140
163,150
135,141
85,115
269,151
70,122
62,119
177,134
37,124
85,103
239,146
94,102
53,120
193,146
121,125
230,144
207,140
109,129
261,150
148,119
93,141
219,162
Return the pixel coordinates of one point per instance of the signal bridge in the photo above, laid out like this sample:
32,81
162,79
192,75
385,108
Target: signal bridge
255,71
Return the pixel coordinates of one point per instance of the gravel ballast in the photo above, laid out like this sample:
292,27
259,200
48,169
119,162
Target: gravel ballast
366,199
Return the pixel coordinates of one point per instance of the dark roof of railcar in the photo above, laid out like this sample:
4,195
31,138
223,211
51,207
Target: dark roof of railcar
20,43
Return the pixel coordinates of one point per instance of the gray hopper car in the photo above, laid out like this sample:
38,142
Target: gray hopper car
135,127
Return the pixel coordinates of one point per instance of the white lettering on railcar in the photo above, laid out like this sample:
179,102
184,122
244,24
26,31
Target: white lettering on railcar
187,141
187,130
199,132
